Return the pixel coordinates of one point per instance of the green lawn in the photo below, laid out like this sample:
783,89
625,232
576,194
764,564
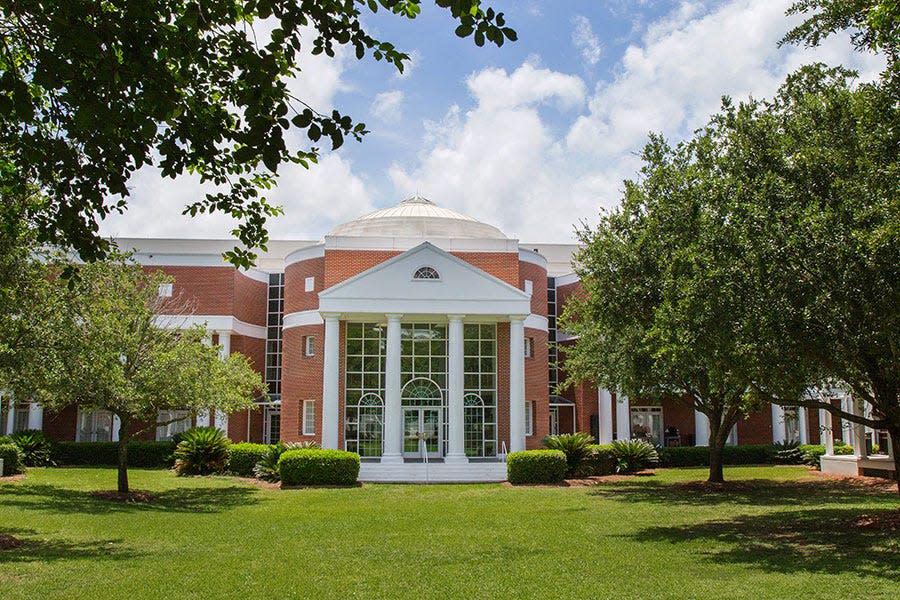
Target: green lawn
777,536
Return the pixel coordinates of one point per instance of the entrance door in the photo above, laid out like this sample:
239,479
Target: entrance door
421,424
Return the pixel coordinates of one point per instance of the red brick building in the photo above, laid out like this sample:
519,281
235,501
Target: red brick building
411,334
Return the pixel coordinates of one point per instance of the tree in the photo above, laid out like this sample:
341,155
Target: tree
109,352
663,283
92,91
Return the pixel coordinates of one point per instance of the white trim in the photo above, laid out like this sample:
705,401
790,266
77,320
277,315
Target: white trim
212,323
567,279
307,253
302,318
256,275
309,283
562,336
538,322
309,428
535,258
180,260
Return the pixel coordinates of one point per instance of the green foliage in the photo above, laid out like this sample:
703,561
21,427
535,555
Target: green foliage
788,453
266,467
811,453
634,455
202,451
600,460
242,458
318,467
146,454
91,92
536,466
696,456
842,448
574,445
35,447
13,459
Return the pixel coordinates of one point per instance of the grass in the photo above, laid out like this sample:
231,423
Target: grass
774,534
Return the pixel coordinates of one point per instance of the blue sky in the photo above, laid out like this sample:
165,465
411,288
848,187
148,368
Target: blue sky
533,137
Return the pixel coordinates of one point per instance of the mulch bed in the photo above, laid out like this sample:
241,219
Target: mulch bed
18,477
132,497
882,521
586,481
8,542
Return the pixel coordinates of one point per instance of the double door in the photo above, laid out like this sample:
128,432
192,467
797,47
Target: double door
421,425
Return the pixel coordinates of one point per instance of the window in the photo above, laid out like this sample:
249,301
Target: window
309,345
309,284
529,287
165,290
309,417
480,389
364,426
94,426
426,273
172,422
647,423
529,347
529,418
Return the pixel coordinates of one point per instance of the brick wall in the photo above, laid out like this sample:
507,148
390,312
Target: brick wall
536,384
301,379
206,290
250,299
538,276
296,298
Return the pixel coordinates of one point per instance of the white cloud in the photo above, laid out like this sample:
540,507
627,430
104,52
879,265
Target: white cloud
415,59
387,106
502,163
586,41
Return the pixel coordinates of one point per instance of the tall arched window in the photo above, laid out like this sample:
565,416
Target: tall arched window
480,427
364,426
427,273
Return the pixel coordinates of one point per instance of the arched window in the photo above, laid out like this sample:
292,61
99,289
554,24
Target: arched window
421,391
479,426
427,273
364,429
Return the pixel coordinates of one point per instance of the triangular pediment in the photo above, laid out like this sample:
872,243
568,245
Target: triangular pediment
392,287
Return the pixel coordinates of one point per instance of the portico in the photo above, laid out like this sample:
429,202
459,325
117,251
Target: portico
415,351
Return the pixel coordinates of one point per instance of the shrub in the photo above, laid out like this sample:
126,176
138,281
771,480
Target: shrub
242,458
573,445
811,454
788,453
536,466
13,459
153,455
267,466
698,456
599,461
201,451
842,448
633,455
35,447
318,467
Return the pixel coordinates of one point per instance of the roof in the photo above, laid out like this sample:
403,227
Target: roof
417,217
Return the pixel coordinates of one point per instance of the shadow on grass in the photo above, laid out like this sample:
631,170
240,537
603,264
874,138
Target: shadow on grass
820,541
63,500
28,549
756,492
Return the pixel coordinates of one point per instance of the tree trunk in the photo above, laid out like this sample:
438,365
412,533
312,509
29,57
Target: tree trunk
123,462
895,450
716,454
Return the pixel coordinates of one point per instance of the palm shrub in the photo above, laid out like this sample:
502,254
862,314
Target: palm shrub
202,451
634,455
576,447
35,447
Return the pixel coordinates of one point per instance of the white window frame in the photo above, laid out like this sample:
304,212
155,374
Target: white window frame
165,290
309,284
94,416
167,432
433,274
529,418
309,345
309,417
529,347
529,287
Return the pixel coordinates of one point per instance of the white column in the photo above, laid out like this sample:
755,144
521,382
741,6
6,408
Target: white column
203,419
11,416
859,431
330,380
116,426
516,383
846,426
456,450
701,429
803,419
224,344
827,429
392,407
778,430
222,422
623,417
35,416
604,405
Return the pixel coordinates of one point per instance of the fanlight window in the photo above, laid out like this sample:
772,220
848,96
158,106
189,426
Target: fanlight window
428,273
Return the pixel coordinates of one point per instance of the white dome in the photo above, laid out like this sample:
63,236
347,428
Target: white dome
417,217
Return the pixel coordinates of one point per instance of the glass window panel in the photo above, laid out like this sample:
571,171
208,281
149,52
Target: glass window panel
370,346
470,365
487,382
438,348
372,381
354,330
354,347
470,348
470,331
354,380
354,363
470,381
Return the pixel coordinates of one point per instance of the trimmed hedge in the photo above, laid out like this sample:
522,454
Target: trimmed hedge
599,461
318,467
698,456
536,466
106,454
13,459
244,456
